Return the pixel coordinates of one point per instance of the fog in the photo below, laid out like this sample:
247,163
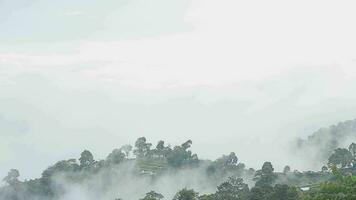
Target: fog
229,81
124,183
44,121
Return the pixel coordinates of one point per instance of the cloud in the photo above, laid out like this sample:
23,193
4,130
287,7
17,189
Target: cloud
225,74
241,41
74,13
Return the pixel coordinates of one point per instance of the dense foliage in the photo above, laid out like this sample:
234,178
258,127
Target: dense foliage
233,180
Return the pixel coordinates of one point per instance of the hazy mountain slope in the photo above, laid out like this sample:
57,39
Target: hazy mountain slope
319,145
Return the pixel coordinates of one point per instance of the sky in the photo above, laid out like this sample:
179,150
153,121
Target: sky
232,75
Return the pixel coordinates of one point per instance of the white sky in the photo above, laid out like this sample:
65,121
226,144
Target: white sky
231,74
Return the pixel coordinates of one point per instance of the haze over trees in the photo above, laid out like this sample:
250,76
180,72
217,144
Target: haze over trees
318,146
156,172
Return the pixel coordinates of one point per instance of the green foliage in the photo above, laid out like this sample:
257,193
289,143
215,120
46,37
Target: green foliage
69,167
151,165
116,156
286,169
152,195
142,148
86,159
180,156
344,189
283,192
226,166
12,177
232,189
126,149
260,192
207,197
266,175
226,172
341,157
352,149
186,194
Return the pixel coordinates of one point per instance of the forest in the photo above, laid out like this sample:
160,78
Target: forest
144,171
177,100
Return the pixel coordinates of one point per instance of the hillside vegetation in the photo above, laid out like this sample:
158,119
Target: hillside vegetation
148,172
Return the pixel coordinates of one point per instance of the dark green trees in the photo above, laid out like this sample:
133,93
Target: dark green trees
277,192
260,193
160,149
266,175
352,149
68,167
142,148
116,156
86,159
186,194
341,157
180,155
152,195
264,178
126,149
283,192
164,160
12,177
286,169
232,189
264,189
226,166
342,189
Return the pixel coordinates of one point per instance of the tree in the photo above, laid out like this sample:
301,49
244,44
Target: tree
160,145
207,197
232,159
342,189
283,192
251,171
116,156
12,177
227,161
142,147
278,192
180,156
352,149
341,157
264,178
160,149
226,165
126,149
153,196
324,169
232,189
186,145
186,194
260,192
86,159
65,167
266,175
286,169
240,166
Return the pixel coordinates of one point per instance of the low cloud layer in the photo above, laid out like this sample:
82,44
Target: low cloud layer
54,120
230,81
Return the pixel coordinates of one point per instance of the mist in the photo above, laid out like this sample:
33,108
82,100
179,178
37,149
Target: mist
253,78
40,115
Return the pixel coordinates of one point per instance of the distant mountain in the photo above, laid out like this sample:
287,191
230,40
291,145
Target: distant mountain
319,145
